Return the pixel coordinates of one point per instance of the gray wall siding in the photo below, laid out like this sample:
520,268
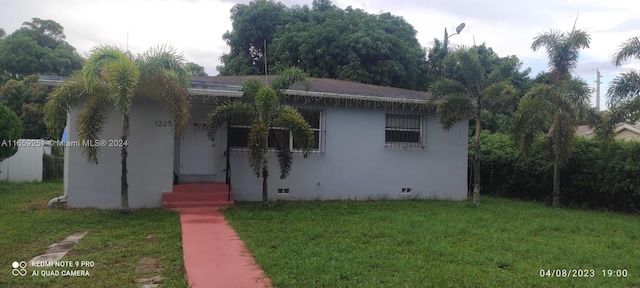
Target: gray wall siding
150,161
356,164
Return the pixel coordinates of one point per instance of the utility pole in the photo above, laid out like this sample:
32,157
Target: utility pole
598,90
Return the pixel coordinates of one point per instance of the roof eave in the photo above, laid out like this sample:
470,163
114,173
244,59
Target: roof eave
235,94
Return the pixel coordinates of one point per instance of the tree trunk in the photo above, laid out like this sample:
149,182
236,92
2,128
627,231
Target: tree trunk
124,185
555,202
265,175
476,159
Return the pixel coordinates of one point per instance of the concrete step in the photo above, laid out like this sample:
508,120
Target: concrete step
196,204
195,196
201,188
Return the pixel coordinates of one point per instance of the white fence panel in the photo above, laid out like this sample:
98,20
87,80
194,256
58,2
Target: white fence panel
26,164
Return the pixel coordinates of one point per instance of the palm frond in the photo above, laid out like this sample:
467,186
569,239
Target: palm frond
60,101
99,59
164,59
623,88
91,120
563,49
257,146
232,112
454,108
531,119
250,88
443,87
288,77
499,95
471,69
290,119
266,103
576,94
170,93
122,75
628,49
285,160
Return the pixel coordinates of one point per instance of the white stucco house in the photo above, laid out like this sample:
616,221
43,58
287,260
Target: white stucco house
371,142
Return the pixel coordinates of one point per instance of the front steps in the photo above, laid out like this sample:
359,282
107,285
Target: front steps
198,195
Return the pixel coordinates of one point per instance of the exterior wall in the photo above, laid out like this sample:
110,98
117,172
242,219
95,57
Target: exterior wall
26,164
356,164
150,161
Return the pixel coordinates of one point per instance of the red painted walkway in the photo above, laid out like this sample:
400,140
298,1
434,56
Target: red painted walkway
214,255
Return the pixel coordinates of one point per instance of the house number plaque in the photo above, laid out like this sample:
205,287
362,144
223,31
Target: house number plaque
164,123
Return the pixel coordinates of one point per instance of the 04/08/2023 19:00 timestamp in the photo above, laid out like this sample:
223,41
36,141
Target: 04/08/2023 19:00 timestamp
583,273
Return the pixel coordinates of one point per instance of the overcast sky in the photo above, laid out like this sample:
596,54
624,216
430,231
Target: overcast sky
195,27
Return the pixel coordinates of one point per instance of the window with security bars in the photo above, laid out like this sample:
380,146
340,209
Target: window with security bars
404,131
280,137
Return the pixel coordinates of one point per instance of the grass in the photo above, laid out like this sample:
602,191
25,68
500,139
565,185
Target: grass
503,243
115,242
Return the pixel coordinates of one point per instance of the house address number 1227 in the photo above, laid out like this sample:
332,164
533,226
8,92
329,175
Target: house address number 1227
164,123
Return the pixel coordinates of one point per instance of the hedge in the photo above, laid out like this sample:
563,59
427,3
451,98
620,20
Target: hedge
594,178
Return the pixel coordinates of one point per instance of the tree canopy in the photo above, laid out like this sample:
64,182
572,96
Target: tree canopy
194,69
325,41
38,47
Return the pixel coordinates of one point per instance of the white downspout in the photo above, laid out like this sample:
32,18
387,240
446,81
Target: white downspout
60,199
63,198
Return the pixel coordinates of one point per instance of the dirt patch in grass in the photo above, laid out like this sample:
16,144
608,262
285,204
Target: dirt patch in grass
147,272
35,205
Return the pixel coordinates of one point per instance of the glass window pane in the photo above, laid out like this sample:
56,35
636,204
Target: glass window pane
278,138
402,136
312,117
403,121
238,137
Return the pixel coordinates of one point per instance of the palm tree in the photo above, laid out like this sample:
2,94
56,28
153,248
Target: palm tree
260,106
624,90
112,77
477,88
555,107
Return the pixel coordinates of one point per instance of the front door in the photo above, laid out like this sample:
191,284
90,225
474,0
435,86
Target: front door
197,150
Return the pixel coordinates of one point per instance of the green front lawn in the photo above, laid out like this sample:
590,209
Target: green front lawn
115,242
503,243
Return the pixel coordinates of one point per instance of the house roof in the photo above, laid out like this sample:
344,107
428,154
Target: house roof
584,130
229,86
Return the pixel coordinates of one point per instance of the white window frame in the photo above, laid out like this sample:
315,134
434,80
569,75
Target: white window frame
291,148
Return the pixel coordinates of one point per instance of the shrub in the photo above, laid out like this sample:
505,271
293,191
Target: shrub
592,179
10,131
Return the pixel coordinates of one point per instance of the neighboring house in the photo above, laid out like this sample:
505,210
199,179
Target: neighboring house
622,131
372,142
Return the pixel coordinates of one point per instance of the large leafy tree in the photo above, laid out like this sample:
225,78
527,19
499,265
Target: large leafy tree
260,106
111,79
469,88
38,47
326,41
26,98
555,107
195,70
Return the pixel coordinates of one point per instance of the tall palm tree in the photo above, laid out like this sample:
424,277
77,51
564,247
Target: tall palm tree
478,88
555,107
628,49
261,107
112,77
